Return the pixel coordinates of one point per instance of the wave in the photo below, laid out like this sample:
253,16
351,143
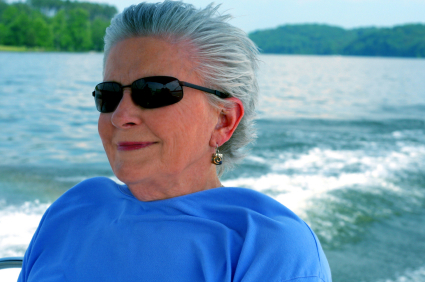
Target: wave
10,275
340,192
415,275
18,226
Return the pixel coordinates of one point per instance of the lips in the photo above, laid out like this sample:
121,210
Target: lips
129,146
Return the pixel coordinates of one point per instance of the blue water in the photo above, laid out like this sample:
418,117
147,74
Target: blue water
341,141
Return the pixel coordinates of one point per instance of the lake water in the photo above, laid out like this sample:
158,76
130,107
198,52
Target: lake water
341,142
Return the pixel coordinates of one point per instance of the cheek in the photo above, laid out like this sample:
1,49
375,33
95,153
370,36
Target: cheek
103,127
192,126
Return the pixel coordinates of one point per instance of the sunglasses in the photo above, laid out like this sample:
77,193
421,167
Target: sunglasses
148,92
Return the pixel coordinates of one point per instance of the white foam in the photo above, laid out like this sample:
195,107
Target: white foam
78,179
416,134
114,178
324,160
417,275
18,224
9,275
295,181
295,191
71,179
320,171
256,159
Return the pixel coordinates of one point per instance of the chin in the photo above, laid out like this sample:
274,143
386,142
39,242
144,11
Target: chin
126,174
126,179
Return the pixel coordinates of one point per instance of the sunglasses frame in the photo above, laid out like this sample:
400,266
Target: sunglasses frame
181,83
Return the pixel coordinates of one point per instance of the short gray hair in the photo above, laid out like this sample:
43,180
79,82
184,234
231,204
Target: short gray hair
227,57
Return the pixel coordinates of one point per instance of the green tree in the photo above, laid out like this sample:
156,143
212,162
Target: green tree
47,7
3,33
400,41
23,26
302,39
79,30
3,6
98,28
61,36
403,41
9,14
50,7
419,50
102,11
59,24
43,33
19,34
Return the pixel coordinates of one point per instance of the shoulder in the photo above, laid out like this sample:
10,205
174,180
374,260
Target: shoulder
92,186
248,204
65,220
86,202
275,238
89,197
96,188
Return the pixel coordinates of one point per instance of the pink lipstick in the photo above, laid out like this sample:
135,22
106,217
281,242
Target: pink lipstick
129,146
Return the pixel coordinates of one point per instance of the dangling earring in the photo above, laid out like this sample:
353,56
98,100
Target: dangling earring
217,158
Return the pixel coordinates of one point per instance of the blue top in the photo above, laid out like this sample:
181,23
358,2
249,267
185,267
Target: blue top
98,231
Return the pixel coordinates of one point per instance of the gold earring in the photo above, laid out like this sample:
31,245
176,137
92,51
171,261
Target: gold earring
217,158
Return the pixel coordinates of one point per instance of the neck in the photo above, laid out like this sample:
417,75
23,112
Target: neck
170,186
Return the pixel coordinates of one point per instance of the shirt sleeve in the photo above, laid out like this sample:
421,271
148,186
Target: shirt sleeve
29,253
280,251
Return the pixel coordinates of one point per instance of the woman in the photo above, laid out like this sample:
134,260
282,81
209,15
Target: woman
179,85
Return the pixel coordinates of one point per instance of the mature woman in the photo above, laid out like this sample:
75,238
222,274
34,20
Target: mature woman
179,89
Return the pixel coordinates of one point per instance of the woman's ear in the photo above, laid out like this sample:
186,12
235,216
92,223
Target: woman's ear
227,123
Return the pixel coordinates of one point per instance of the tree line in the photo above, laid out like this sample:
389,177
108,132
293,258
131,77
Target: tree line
400,41
66,25
55,24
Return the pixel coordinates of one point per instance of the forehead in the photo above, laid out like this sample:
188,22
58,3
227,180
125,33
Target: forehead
137,57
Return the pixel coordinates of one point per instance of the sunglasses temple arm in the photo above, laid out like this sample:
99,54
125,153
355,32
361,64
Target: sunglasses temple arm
215,92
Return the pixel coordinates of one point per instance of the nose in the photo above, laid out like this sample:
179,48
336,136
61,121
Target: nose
127,114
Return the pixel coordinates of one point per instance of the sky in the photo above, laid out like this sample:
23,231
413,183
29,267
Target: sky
250,15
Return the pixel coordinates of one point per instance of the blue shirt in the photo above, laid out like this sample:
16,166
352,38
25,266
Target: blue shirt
98,231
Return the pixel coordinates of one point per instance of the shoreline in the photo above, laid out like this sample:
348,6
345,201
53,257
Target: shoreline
5,48
21,49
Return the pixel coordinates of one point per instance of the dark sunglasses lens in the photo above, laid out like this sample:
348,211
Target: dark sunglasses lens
156,92
107,96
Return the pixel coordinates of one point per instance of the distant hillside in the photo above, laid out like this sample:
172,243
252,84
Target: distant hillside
399,41
59,25
65,25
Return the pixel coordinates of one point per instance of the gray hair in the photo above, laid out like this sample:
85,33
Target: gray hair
227,57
